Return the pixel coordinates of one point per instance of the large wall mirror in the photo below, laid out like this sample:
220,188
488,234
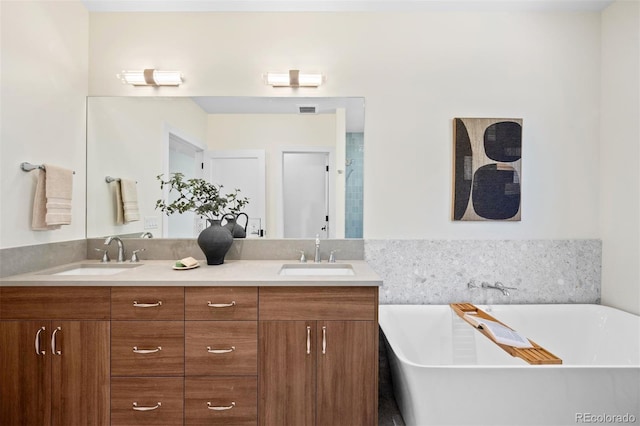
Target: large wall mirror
298,160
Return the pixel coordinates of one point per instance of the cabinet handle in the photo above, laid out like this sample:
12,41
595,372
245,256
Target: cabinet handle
38,351
308,340
146,351
218,408
324,340
221,305
147,305
155,407
53,342
220,351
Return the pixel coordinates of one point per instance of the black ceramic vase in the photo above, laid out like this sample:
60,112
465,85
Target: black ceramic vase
215,241
237,230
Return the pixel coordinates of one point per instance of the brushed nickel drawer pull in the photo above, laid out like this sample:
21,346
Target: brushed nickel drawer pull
147,305
221,305
38,351
324,340
155,407
218,408
308,340
146,351
53,342
220,351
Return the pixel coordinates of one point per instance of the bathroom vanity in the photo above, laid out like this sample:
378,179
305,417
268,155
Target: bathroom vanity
244,343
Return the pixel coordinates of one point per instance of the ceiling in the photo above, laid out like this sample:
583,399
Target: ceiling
340,5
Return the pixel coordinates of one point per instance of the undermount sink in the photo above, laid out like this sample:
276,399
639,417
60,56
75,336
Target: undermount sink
316,269
95,269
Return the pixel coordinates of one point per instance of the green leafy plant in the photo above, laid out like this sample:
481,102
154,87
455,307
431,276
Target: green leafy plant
202,197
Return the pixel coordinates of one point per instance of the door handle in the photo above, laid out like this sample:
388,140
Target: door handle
37,343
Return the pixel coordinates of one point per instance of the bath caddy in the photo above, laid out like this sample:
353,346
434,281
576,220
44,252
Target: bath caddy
536,355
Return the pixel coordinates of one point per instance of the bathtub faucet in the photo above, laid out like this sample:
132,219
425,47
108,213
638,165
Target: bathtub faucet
497,286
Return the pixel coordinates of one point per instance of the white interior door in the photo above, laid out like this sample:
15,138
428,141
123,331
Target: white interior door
245,170
305,194
184,158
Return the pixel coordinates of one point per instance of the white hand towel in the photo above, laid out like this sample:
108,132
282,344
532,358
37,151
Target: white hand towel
129,200
59,190
38,219
119,205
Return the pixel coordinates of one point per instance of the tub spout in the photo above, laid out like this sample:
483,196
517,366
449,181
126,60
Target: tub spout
498,286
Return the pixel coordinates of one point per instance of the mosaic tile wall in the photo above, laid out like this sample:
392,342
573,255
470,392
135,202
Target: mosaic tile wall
354,178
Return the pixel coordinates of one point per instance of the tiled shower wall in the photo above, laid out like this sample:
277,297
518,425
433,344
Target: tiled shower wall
439,271
354,178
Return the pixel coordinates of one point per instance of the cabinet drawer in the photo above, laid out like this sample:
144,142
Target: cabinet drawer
221,303
147,348
159,401
221,347
147,303
74,303
311,303
221,401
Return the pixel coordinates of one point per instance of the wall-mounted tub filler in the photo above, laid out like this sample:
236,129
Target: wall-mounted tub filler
497,286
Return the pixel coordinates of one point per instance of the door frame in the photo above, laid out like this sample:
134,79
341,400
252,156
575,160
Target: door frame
199,148
257,154
331,151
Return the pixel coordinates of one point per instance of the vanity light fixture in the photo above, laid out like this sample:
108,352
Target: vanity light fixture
294,78
151,77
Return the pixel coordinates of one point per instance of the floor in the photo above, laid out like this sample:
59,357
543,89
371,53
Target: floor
388,412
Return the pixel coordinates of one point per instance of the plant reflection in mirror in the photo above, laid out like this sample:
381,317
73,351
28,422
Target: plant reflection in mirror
202,197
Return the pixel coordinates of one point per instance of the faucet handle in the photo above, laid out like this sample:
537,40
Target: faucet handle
134,255
303,258
105,255
332,256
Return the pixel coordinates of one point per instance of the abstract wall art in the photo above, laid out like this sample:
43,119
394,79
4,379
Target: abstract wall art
487,169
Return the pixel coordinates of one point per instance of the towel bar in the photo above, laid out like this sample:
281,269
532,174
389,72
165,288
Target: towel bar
27,167
110,179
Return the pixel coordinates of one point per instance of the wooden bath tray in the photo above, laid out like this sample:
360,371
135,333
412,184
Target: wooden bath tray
537,355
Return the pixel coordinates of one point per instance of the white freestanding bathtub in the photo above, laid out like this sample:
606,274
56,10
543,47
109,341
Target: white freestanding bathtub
445,372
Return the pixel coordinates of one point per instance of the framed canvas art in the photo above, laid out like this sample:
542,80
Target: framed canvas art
487,172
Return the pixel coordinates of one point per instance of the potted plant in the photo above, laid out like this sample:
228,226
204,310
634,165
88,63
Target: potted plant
206,200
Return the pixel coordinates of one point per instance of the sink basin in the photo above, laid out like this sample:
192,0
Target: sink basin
315,269
95,269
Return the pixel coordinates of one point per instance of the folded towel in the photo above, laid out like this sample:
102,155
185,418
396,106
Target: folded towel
129,200
38,219
119,205
58,189
52,200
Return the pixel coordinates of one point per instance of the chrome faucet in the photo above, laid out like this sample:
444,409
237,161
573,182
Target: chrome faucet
120,246
316,258
497,286
146,235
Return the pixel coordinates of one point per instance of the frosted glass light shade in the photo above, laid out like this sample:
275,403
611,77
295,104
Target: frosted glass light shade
294,78
151,77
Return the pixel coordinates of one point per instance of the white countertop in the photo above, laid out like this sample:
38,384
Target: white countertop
161,273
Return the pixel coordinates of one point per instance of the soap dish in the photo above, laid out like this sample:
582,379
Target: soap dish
180,268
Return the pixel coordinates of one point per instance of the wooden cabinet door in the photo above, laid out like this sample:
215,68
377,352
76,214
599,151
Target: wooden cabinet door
287,360
25,376
347,373
80,373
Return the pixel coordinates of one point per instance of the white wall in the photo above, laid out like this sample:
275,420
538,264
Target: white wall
620,156
44,68
271,132
417,71
128,138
